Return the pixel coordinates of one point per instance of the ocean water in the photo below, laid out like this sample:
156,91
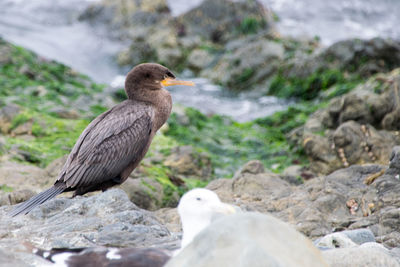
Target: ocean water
50,28
330,20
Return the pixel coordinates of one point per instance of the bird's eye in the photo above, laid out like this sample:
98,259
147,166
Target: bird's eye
198,198
169,75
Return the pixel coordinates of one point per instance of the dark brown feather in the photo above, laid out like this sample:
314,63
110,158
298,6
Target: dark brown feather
114,143
107,148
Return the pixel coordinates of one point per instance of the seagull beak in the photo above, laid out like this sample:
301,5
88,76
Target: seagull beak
172,81
224,208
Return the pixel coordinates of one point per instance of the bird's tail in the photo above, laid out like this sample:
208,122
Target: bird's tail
40,198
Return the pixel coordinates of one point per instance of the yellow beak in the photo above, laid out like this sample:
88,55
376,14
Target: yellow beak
171,81
224,208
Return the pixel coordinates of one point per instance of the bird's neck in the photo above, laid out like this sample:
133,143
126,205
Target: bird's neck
191,227
163,107
159,99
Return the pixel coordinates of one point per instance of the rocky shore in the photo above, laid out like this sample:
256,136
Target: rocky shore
328,166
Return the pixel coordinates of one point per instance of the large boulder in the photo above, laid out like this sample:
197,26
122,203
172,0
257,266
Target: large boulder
186,161
219,20
249,239
22,180
364,57
105,219
356,128
7,114
123,14
247,61
367,255
352,198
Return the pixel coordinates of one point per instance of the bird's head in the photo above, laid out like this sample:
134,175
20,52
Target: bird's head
150,76
197,208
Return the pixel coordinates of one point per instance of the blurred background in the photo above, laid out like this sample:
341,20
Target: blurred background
72,33
276,81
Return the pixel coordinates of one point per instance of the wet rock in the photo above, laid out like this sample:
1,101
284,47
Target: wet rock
347,199
199,59
219,20
368,254
251,60
170,218
296,174
20,152
254,186
54,168
3,149
65,113
139,51
344,239
21,259
145,192
107,219
269,242
356,128
24,177
184,160
253,167
171,56
7,114
121,15
5,53
364,57
18,196
394,164
24,128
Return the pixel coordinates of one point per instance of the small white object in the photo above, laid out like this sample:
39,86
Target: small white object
112,254
60,260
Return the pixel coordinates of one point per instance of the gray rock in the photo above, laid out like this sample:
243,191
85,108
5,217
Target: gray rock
145,192
344,239
54,168
219,20
65,113
18,196
249,239
348,199
185,160
366,255
246,64
296,174
357,128
24,177
364,57
335,240
360,236
7,114
21,259
394,164
199,59
107,219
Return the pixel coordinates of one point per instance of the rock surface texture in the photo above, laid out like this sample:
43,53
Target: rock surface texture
356,128
105,219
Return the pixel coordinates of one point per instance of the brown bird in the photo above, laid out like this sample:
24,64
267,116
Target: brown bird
115,142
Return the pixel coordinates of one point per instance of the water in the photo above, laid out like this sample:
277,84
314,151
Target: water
331,20
50,28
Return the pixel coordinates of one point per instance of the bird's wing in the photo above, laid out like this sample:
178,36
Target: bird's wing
108,145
